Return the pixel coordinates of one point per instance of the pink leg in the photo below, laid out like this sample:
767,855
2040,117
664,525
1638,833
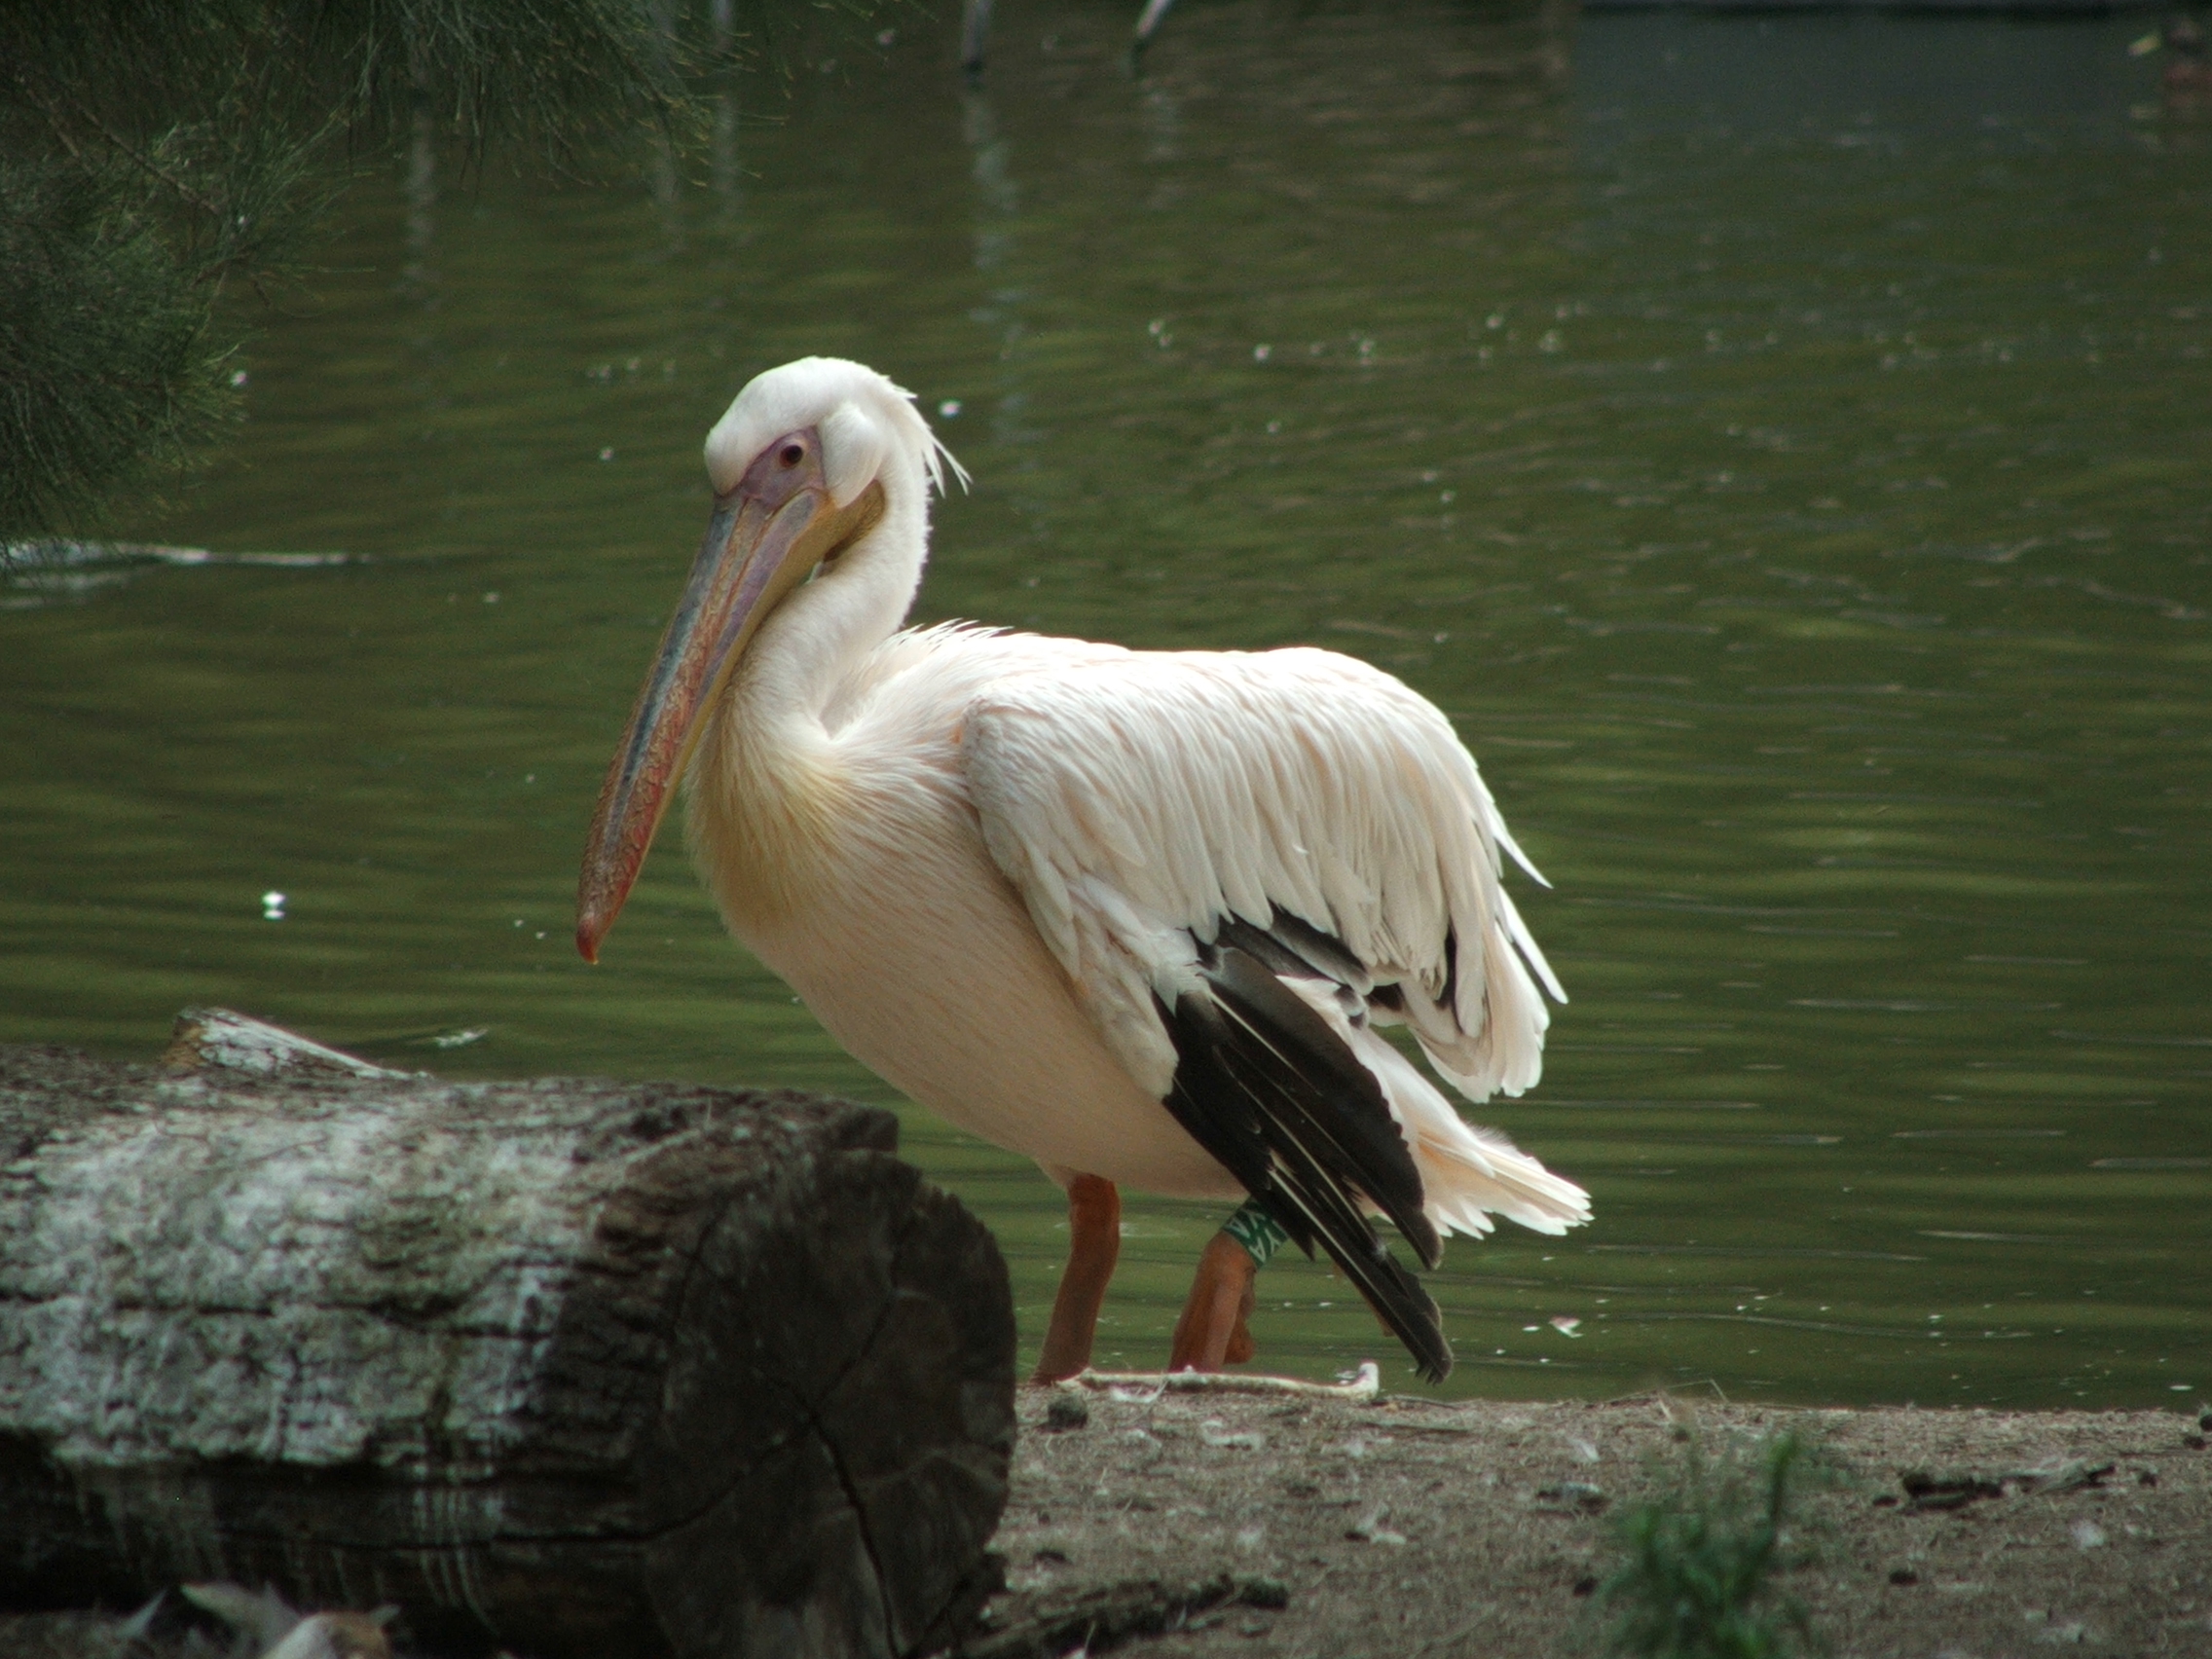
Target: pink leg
1095,1242
1213,1330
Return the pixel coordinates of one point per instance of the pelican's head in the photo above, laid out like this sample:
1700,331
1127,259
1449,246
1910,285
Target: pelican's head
807,461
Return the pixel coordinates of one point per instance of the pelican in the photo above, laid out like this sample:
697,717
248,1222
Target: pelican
1137,916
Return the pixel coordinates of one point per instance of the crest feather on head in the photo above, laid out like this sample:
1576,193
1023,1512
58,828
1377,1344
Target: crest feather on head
866,422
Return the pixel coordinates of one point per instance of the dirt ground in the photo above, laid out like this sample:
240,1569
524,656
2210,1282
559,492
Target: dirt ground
1405,1528
1232,1524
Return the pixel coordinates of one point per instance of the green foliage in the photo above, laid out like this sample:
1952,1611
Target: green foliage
156,155
1698,1581
104,358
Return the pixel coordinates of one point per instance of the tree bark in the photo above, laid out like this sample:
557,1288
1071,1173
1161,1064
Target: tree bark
568,1366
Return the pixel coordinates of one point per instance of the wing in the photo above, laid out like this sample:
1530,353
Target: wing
1244,861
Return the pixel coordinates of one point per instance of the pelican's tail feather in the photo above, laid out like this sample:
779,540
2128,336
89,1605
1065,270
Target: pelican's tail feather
1467,1173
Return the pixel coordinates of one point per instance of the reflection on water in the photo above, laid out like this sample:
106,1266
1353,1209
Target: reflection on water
1778,444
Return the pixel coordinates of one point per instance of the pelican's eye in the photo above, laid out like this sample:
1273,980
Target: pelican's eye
793,455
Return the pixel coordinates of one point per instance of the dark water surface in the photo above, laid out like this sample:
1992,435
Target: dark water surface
1781,446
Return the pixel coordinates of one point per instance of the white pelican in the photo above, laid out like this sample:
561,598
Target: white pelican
1134,915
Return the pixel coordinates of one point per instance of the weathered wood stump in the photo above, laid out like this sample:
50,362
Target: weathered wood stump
566,1366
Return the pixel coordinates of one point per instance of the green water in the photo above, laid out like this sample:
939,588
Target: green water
1781,446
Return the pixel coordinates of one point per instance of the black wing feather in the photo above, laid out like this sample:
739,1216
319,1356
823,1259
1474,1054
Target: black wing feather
1265,1086
1290,944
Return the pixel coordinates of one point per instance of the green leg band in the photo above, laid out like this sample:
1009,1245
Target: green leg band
1260,1235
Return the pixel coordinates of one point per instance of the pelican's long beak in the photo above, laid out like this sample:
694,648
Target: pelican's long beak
760,545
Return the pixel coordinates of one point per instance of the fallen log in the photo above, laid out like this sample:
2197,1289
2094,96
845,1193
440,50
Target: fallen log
563,1366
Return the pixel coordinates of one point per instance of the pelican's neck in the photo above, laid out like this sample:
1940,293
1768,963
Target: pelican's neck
823,632
768,787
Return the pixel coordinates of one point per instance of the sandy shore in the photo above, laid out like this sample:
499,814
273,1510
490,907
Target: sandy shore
1405,1528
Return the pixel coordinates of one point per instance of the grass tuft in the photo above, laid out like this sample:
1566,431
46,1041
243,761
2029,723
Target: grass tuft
1699,1581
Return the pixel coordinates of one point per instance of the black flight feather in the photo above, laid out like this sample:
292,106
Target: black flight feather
1289,945
1266,1087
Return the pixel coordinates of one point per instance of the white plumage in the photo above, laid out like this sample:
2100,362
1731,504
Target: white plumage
1001,867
